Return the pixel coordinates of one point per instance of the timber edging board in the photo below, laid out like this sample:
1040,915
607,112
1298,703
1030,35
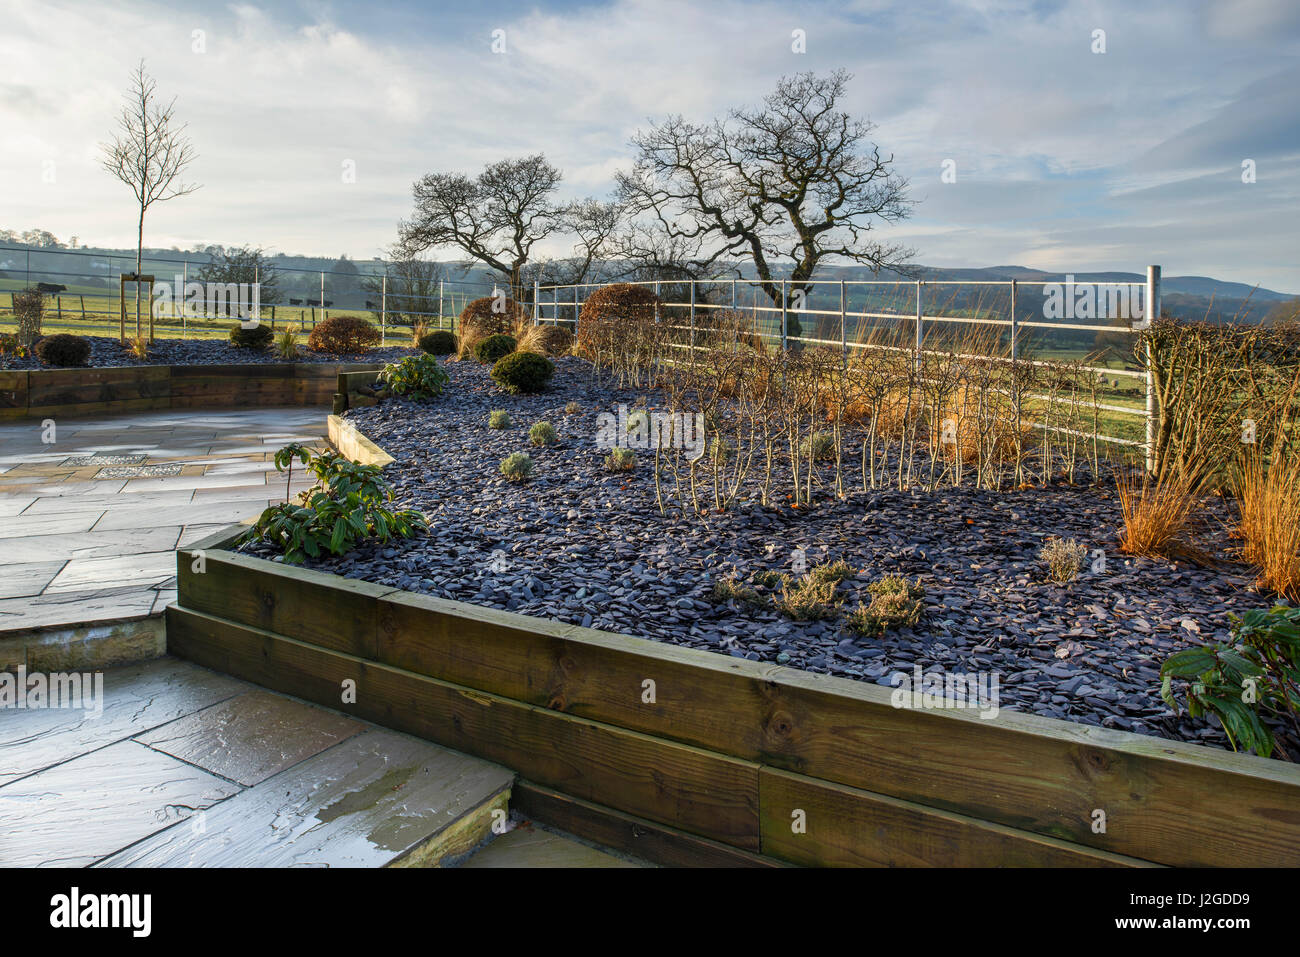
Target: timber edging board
92,391
731,750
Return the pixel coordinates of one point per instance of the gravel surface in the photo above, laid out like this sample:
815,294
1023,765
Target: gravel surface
196,352
583,546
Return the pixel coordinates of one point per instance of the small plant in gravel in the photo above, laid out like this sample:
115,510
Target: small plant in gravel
517,466
895,603
820,447
493,348
258,337
620,460
286,344
572,408
63,350
542,433
438,343
1064,558
523,372
1256,671
415,377
498,419
732,588
139,347
807,597
348,505
767,579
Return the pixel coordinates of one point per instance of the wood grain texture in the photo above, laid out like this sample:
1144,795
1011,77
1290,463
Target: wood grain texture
847,827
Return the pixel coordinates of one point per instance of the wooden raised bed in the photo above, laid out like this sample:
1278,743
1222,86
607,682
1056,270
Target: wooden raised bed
730,753
55,392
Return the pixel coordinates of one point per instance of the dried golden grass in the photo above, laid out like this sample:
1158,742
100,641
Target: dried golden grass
1268,494
1155,512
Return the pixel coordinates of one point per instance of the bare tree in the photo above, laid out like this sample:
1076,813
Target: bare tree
793,181
495,218
149,154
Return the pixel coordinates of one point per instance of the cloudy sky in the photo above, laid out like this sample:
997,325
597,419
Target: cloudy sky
1065,159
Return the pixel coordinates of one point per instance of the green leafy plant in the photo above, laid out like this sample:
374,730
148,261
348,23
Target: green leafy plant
286,344
620,459
415,377
523,372
1257,671
542,433
1064,557
895,603
498,419
258,337
494,347
438,343
517,466
345,507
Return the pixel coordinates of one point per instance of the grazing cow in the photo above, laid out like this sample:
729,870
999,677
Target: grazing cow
295,302
313,303
370,305
51,288
328,303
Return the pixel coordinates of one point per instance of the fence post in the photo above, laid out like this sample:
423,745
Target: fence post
844,330
383,309
322,299
656,300
1152,314
537,304
185,281
783,316
1014,322
577,308
733,295
692,320
920,283
83,307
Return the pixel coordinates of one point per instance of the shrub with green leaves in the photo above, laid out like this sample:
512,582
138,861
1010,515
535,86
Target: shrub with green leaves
620,459
494,347
1256,672
438,343
498,419
1064,558
517,466
415,377
258,337
542,433
523,372
895,603
348,505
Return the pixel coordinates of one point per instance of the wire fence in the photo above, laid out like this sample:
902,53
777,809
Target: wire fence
848,314
84,296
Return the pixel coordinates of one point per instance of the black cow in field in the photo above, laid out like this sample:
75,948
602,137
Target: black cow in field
50,288
370,305
316,302
295,302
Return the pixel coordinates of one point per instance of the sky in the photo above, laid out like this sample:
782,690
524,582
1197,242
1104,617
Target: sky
1060,156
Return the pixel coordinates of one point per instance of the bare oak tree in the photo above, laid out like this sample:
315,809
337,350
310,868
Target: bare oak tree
795,180
495,218
149,152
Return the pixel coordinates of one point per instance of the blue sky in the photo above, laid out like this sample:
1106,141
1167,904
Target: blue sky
1065,159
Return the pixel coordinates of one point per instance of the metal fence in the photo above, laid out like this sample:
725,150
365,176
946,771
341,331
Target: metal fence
309,296
830,309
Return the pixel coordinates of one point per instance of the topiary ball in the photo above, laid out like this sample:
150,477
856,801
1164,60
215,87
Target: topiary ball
493,348
259,337
440,343
525,372
63,350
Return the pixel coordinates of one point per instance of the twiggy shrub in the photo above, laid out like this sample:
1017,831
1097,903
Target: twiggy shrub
29,311
517,467
1064,557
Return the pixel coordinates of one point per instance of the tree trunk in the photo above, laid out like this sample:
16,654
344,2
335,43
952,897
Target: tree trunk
139,256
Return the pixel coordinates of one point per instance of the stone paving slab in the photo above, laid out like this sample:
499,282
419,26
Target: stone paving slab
249,738
51,495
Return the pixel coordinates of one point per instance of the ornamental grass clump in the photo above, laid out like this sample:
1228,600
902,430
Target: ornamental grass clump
498,419
620,460
1064,558
895,603
542,433
517,467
